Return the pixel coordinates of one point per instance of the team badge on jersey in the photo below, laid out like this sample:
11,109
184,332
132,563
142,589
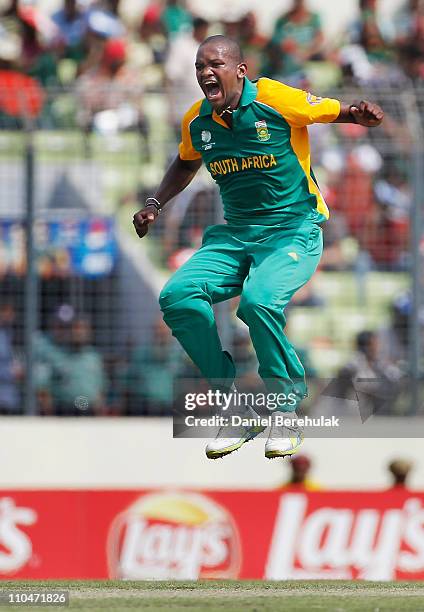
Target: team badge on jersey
262,131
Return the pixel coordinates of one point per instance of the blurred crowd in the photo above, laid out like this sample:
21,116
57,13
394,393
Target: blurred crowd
364,177
73,377
86,33
109,62
91,45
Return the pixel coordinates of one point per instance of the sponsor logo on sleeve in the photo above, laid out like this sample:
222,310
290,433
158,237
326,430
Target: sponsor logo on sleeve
313,100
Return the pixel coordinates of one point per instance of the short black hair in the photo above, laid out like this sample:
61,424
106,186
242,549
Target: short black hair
199,22
231,44
364,339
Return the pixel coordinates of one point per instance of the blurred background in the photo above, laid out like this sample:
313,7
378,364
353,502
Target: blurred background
91,98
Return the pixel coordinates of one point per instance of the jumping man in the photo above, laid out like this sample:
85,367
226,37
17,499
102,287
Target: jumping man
253,139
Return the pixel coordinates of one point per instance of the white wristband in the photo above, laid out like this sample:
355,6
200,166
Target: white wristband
154,202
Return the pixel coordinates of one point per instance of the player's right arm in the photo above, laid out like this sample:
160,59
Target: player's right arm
179,174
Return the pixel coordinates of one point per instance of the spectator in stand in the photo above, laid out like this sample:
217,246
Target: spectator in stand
152,32
71,377
48,349
38,57
176,18
394,339
370,383
71,24
372,41
400,470
10,368
368,11
299,480
298,38
405,22
355,192
110,95
112,6
377,380
116,366
412,60
181,82
230,23
102,25
252,43
151,373
410,40
368,56
386,232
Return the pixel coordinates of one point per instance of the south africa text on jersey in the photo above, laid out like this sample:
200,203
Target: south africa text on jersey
234,164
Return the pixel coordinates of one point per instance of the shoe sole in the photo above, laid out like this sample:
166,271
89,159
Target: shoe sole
282,454
230,449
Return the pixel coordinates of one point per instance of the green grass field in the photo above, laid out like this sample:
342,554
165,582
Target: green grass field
231,596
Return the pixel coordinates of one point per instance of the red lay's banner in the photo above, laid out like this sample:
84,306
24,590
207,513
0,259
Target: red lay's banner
173,534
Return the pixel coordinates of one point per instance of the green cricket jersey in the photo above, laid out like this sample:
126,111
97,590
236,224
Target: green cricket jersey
262,164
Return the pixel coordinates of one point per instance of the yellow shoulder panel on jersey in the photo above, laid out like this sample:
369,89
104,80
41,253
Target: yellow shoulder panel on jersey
300,145
185,148
299,108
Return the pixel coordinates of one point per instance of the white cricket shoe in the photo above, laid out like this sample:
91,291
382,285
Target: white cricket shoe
284,439
231,438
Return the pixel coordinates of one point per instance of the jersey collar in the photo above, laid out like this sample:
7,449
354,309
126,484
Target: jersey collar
248,94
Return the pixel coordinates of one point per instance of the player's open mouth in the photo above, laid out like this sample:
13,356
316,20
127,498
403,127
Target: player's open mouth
212,89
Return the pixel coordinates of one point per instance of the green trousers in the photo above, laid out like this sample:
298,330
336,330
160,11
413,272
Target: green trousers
266,265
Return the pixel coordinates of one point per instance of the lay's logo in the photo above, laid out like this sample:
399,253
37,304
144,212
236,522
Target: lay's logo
174,536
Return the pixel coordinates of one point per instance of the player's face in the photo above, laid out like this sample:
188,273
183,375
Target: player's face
218,75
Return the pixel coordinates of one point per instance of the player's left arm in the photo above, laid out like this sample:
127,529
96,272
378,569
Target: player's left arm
363,112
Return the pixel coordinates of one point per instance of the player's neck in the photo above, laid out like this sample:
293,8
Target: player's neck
228,118
227,112
235,98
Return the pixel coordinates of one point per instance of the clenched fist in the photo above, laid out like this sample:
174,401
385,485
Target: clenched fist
366,113
143,218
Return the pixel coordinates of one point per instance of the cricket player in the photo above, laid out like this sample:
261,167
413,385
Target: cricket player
253,139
